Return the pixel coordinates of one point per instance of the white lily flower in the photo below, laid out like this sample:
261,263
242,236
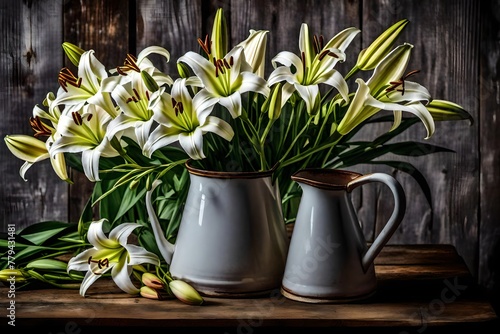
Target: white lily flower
314,66
364,105
111,253
33,150
133,99
75,92
184,119
85,133
132,68
226,79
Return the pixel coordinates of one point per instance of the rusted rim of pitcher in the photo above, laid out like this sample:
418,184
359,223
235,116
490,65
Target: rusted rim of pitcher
324,178
227,175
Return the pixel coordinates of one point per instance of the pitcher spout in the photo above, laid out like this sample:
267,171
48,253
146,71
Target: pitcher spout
166,248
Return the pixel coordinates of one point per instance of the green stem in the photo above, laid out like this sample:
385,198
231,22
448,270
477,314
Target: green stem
353,71
306,126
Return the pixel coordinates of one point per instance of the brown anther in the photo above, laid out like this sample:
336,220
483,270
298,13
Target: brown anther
89,117
137,95
205,45
231,61
39,127
317,49
323,55
100,263
66,77
401,82
77,118
174,102
179,109
226,64
333,54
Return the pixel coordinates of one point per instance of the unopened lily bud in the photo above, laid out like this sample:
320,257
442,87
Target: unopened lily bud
275,102
369,58
12,275
185,292
149,82
27,148
442,110
152,281
47,264
150,293
73,52
183,70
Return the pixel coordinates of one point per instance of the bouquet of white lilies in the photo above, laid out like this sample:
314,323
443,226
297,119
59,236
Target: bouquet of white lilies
131,125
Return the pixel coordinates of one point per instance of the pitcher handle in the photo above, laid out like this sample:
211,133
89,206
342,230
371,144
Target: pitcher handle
393,222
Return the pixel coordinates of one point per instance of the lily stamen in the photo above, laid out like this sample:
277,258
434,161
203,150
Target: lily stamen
39,127
66,77
221,65
400,82
178,107
100,263
205,45
318,43
77,118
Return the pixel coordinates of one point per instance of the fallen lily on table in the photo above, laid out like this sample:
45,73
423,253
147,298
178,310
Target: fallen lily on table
114,253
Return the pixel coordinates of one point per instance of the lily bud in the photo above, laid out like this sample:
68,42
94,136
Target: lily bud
150,293
370,57
152,281
47,264
219,36
185,292
183,70
275,99
73,52
27,148
149,82
442,110
9,275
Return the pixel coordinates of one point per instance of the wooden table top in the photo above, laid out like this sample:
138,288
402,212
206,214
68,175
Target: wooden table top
420,288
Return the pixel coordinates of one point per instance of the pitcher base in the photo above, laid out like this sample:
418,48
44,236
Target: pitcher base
325,300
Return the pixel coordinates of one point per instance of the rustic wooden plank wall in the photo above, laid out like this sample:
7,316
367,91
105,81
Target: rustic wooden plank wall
456,50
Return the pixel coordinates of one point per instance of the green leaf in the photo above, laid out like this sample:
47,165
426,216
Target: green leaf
40,232
129,199
414,172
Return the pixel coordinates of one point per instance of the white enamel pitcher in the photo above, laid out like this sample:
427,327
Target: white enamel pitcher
329,259
232,240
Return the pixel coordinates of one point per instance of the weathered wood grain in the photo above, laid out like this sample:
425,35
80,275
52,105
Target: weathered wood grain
29,65
446,68
489,99
174,25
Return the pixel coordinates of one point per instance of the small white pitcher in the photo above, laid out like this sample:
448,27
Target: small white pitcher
329,259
